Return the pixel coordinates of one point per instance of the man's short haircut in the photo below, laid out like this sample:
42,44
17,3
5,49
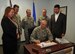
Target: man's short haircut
44,20
15,6
57,6
45,10
28,10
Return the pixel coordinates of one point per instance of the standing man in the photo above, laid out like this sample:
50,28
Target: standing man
58,23
17,19
27,23
44,16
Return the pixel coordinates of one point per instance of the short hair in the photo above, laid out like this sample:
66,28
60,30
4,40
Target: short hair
15,6
45,10
28,10
44,20
57,6
7,10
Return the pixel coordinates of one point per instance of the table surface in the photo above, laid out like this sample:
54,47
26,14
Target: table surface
34,49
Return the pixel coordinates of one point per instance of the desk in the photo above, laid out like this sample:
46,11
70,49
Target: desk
33,49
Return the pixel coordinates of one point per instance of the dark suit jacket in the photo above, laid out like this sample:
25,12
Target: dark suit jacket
59,26
9,36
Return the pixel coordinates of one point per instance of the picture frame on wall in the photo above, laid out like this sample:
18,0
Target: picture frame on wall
63,10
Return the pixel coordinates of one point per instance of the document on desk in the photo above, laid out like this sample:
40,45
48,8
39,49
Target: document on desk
62,40
46,44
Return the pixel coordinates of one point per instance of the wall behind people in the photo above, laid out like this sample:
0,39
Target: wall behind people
3,5
70,32
24,4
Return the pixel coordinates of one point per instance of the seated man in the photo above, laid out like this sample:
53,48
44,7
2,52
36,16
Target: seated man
41,33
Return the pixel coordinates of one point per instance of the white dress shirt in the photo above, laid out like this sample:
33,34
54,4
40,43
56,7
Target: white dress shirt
56,16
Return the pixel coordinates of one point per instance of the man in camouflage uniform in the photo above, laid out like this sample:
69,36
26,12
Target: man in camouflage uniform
27,22
17,19
41,33
44,16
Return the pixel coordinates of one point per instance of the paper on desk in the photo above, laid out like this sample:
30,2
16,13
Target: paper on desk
46,44
61,40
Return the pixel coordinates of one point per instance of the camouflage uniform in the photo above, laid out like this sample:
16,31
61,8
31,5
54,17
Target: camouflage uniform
27,23
42,17
41,34
17,19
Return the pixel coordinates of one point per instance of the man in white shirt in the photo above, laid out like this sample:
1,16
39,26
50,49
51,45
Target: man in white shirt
58,23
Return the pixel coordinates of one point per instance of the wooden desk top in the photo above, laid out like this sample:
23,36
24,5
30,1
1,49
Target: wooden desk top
34,49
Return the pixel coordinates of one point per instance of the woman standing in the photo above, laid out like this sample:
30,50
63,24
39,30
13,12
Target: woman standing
10,31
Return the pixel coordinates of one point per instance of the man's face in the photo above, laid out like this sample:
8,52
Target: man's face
16,9
43,24
56,10
28,13
44,12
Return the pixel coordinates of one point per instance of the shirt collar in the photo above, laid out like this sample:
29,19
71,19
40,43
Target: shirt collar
57,14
